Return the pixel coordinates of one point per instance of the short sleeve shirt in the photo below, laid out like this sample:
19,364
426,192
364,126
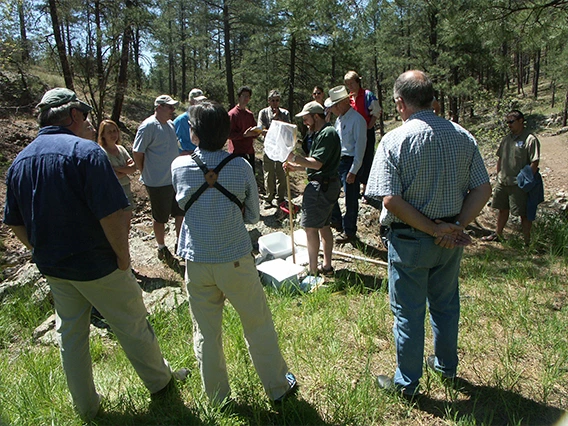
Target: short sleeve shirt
432,163
120,160
60,187
515,153
181,124
158,143
326,148
265,117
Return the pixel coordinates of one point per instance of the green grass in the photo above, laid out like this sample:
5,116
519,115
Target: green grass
513,352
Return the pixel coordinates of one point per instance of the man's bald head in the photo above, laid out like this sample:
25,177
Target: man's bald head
415,88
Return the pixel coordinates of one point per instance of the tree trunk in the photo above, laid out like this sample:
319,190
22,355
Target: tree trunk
122,80
454,105
183,50
378,79
565,112
24,44
536,73
520,76
292,73
65,68
136,49
228,54
553,90
171,61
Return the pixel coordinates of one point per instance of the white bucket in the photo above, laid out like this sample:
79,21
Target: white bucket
276,244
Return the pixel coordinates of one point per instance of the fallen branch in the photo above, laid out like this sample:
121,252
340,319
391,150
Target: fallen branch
350,256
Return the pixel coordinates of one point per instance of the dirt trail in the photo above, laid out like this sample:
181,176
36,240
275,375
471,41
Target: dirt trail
554,163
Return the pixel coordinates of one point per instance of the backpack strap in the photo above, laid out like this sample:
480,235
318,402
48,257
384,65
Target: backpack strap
211,182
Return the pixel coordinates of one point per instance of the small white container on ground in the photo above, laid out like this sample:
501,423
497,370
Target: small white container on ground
280,274
276,244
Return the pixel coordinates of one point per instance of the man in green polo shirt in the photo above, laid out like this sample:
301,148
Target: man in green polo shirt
322,190
517,150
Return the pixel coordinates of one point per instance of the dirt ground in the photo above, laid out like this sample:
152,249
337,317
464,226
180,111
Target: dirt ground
16,134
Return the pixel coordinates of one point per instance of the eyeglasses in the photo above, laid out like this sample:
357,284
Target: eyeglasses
274,100
316,93
510,121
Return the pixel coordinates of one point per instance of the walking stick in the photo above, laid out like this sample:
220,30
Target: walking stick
291,213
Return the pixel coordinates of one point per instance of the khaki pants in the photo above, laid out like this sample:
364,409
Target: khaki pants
273,172
208,284
118,298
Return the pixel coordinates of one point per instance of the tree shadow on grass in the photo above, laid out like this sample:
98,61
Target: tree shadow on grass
490,406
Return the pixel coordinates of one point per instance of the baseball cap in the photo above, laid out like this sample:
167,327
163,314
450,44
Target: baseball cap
196,95
165,100
273,94
61,96
312,107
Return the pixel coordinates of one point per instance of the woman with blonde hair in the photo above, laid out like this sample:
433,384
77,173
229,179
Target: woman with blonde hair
122,163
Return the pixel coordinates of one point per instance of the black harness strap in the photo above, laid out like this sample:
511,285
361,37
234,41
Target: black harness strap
211,182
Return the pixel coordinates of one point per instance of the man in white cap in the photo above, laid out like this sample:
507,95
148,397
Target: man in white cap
352,130
64,202
323,188
155,147
181,123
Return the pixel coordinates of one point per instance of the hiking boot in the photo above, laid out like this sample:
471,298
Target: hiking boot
170,391
165,255
343,238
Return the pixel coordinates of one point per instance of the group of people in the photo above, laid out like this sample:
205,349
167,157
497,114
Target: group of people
428,173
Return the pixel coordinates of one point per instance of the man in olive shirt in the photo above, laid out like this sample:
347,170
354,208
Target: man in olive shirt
322,190
517,150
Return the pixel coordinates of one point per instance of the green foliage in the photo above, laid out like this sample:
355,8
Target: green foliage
20,314
551,234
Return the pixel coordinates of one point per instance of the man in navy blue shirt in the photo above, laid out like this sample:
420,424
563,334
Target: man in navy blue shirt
64,202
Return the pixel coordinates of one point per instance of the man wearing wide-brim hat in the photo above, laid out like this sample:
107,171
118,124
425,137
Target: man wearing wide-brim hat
155,148
352,130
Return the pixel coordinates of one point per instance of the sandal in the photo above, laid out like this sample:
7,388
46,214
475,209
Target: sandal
492,237
327,272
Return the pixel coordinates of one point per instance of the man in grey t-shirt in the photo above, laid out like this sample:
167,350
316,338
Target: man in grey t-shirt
274,174
154,149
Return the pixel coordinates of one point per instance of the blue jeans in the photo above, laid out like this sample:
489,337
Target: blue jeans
351,191
421,272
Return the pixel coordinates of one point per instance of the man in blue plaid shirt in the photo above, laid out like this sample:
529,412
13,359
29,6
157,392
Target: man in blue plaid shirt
433,183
